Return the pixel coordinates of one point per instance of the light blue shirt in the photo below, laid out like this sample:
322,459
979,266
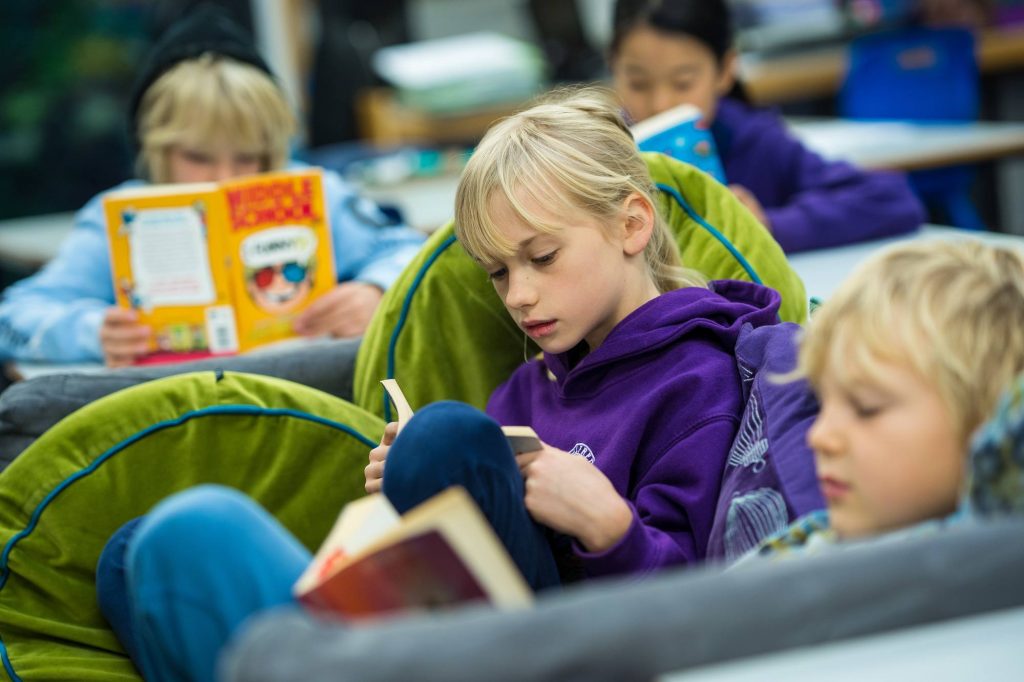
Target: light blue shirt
55,315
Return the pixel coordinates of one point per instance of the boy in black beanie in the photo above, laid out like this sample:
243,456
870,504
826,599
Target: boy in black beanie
205,107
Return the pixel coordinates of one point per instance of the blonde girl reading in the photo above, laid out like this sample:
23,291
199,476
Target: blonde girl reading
636,399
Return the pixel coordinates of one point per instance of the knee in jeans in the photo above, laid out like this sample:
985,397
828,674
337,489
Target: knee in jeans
445,444
449,424
216,510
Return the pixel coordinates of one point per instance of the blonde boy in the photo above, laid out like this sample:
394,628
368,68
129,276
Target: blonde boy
205,108
211,117
908,359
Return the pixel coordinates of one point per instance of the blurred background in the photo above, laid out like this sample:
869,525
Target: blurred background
358,75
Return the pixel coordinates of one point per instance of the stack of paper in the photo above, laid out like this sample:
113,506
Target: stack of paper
462,73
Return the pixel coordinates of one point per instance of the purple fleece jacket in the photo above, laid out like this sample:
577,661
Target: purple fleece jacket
655,408
811,203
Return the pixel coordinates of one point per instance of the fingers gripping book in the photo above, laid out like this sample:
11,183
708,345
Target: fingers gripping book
220,268
441,552
520,438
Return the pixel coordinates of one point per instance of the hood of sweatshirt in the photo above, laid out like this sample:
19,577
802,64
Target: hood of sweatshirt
717,314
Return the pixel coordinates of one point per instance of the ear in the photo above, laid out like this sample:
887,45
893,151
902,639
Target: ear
727,74
638,223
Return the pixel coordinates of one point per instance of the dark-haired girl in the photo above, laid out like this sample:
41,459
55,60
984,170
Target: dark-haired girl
669,52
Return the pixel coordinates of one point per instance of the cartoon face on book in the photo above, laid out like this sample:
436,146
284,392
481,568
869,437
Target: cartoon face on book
280,267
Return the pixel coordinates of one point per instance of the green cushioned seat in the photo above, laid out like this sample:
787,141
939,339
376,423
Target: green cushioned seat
296,450
444,334
441,331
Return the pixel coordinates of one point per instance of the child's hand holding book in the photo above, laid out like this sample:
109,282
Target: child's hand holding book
520,438
374,471
569,494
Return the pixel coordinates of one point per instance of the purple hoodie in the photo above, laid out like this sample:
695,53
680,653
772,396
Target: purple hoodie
656,409
811,203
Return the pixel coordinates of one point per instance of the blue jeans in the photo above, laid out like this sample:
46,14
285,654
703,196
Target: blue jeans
176,584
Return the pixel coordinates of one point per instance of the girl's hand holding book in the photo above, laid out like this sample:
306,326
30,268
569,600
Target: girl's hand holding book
374,471
570,495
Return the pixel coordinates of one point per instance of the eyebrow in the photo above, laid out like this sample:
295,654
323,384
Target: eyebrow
684,70
867,388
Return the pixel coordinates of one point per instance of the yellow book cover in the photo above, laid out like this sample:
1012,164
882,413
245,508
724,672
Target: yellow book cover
220,268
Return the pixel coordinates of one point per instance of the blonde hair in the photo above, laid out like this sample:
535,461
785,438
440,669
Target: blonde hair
952,311
571,152
203,102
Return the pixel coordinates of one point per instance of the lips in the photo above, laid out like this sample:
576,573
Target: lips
833,489
537,329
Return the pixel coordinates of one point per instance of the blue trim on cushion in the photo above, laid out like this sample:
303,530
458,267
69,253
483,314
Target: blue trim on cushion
113,450
674,193
7,663
404,314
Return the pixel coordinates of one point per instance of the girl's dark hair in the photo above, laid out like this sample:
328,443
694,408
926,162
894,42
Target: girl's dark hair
709,21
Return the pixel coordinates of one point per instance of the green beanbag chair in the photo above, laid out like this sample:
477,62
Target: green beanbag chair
444,334
441,331
296,450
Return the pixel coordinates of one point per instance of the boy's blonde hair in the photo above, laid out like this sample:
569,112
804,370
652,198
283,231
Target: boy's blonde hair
952,311
206,102
572,152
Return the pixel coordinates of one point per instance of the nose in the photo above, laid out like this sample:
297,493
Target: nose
662,99
823,437
225,169
521,292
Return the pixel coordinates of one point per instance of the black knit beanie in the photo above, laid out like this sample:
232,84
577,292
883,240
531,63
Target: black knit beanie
206,28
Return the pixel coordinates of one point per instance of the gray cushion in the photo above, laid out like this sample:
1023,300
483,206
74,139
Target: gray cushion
29,408
635,630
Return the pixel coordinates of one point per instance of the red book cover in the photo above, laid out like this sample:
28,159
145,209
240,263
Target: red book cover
441,552
419,572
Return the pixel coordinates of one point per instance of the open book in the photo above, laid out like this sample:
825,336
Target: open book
520,438
219,268
440,553
681,133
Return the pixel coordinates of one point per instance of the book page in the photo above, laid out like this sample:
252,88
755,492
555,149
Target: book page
520,438
681,133
359,524
398,398
455,515
169,258
665,121
421,572
442,551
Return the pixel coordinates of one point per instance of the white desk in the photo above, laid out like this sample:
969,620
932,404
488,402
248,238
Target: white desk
19,371
26,370
978,647
428,203
31,242
909,146
823,270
